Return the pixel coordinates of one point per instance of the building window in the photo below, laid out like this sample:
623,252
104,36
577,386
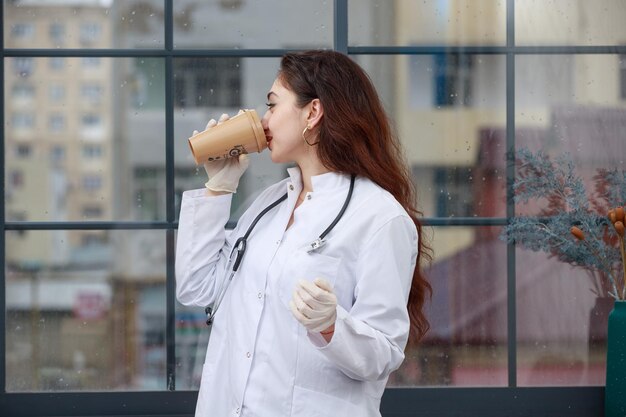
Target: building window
57,32
23,121
56,92
16,178
23,67
92,182
92,239
92,211
90,121
23,150
57,123
89,32
90,62
91,92
453,81
210,82
23,91
231,4
453,192
92,151
56,63
57,153
23,31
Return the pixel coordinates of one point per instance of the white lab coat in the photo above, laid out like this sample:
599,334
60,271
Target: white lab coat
260,360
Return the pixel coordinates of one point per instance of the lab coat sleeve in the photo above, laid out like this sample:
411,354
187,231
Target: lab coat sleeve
201,247
369,340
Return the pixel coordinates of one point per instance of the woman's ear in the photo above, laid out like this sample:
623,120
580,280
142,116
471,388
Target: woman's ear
316,111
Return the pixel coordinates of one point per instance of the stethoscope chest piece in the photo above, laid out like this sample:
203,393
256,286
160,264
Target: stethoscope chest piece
315,245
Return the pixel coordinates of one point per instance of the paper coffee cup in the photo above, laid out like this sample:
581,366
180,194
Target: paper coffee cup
240,134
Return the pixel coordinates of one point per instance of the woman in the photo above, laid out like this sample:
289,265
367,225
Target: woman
306,329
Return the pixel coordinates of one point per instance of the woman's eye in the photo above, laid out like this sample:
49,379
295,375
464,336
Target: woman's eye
270,105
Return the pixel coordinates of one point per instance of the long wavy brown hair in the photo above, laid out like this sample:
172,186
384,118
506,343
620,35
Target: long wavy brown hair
355,137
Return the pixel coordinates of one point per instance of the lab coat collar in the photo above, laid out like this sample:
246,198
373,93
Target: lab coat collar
330,181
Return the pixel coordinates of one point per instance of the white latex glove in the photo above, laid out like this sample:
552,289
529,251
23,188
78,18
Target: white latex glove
314,304
224,174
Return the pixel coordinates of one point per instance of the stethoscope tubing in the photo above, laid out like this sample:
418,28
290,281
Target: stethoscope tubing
242,242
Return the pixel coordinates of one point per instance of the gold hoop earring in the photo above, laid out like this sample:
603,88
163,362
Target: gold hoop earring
304,137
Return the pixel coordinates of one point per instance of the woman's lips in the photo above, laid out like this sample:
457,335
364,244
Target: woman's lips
269,140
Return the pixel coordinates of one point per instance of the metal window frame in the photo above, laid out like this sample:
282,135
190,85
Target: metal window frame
428,401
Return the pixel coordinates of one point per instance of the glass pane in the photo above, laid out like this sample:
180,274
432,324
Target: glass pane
192,338
84,139
449,112
85,310
569,22
561,323
571,109
94,24
238,24
467,341
204,89
419,23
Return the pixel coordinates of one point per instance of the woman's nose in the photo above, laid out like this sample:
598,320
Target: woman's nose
265,119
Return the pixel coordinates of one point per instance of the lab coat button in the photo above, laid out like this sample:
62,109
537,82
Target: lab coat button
308,197
248,354
260,295
291,187
237,410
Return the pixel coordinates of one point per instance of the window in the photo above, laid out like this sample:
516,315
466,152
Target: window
207,82
57,63
92,151
23,67
23,91
57,153
91,121
91,239
453,187
16,179
89,32
92,182
23,31
91,92
110,330
23,150
57,33
91,62
56,92
92,211
23,121
453,80
231,4
56,123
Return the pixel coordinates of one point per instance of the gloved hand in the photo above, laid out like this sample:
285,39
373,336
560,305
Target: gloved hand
224,174
314,304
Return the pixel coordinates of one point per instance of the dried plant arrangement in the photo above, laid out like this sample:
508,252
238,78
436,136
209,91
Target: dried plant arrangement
584,229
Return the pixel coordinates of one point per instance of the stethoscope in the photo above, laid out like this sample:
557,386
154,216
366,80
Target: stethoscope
239,249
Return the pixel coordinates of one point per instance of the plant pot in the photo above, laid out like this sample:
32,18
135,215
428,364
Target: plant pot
615,392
